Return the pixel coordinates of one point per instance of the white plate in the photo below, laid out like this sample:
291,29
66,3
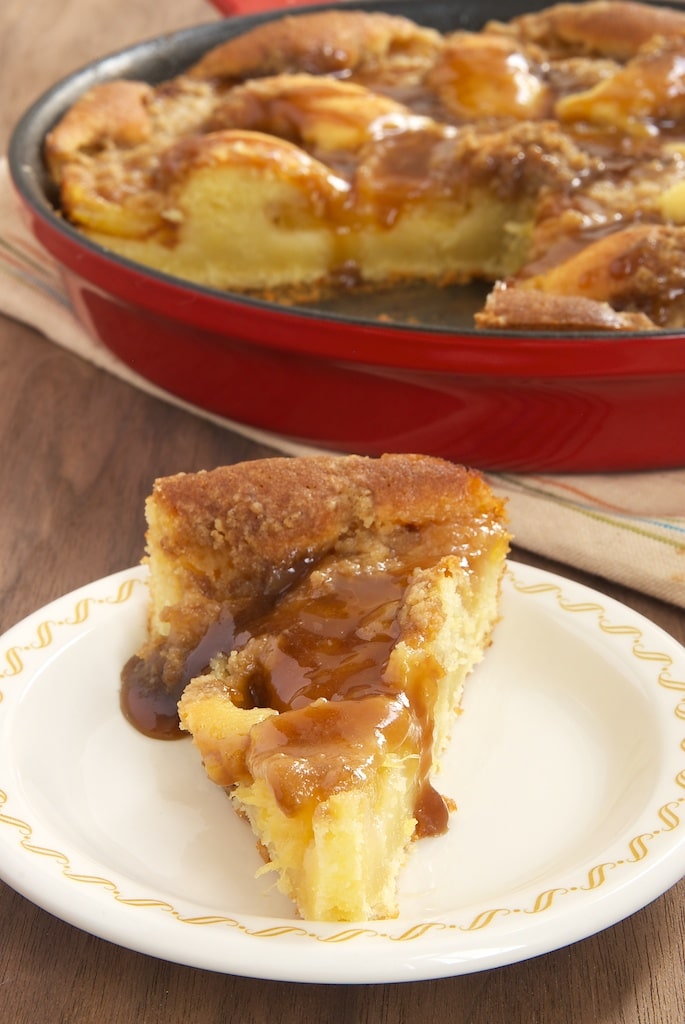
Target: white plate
568,767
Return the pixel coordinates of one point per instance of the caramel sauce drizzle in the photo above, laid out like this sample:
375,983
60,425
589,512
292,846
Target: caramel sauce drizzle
317,653
149,705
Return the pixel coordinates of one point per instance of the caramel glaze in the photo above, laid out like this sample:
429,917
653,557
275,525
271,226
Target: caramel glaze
406,159
149,706
137,144
318,655
319,659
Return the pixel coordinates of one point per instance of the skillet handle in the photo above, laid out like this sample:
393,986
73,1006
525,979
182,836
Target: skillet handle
256,6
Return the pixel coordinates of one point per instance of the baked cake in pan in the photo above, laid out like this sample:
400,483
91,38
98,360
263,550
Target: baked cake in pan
543,155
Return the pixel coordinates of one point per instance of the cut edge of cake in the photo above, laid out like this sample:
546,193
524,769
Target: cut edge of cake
336,848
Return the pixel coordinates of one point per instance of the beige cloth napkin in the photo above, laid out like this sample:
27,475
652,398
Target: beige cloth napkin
628,527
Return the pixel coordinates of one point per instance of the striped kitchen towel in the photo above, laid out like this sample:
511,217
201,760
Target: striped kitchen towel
628,527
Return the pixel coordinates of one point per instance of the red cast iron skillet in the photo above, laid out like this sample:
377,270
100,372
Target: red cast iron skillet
396,372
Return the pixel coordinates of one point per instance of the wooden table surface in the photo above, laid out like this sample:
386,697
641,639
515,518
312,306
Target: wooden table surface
80,450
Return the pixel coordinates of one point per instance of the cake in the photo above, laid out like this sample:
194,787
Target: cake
543,156
315,618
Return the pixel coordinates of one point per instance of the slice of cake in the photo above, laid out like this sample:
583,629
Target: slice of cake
317,618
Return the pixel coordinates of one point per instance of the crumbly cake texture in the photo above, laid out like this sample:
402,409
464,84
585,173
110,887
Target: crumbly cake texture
544,155
358,593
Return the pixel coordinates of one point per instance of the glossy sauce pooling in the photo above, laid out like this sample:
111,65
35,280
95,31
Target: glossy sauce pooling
149,705
331,639
327,639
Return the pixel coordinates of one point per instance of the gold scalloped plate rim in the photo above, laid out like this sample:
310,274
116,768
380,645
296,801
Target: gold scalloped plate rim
650,857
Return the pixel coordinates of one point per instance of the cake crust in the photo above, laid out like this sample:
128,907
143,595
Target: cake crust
259,521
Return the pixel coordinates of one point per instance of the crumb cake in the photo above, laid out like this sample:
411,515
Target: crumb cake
315,619
543,156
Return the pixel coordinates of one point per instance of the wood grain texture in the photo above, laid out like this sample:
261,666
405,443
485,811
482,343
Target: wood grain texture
79,453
